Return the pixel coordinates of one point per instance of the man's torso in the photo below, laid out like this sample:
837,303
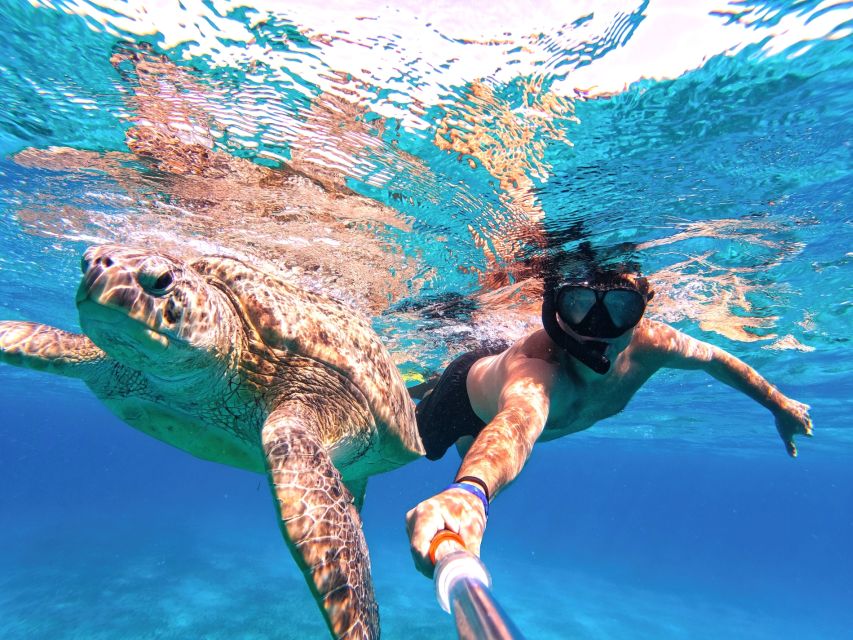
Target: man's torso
578,397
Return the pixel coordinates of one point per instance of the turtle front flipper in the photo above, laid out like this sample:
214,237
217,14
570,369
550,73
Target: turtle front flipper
320,522
45,348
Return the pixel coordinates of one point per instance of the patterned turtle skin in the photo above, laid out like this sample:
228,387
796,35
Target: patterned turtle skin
235,366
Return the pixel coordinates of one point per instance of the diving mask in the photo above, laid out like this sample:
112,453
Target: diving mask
591,310
599,311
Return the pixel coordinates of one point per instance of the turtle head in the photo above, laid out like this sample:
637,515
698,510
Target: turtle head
152,312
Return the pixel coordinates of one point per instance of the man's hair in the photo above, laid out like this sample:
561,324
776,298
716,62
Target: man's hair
619,277
615,264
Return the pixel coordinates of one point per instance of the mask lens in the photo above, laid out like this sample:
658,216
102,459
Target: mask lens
625,307
574,303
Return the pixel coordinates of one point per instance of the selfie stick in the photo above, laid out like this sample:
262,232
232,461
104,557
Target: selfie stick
463,588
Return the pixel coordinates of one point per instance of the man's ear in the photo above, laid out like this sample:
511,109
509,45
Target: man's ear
645,288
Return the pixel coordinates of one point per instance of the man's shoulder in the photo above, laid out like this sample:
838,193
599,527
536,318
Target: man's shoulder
536,345
652,339
657,343
651,333
534,349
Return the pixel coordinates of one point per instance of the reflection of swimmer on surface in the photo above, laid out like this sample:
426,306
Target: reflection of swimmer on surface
179,191
594,352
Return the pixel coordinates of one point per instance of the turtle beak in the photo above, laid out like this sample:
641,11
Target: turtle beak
106,281
94,266
82,294
90,277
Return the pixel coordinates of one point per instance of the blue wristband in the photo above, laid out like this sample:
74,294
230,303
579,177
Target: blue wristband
477,491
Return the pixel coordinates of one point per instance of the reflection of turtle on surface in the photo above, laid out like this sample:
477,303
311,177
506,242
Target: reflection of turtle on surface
235,366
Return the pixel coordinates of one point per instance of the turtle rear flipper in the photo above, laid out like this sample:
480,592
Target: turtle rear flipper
320,522
45,348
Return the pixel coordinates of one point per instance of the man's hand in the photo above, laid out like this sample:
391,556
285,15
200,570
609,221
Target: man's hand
792,418
454,509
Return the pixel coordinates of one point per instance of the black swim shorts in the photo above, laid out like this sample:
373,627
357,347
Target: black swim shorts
445,413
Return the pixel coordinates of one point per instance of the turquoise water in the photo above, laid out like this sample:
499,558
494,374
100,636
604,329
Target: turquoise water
422,165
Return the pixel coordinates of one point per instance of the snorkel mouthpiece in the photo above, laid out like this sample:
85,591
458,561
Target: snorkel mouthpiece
586,355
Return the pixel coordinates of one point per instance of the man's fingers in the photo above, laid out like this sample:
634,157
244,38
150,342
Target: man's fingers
791,448
474,547
421,564
424,533
458,512
411,520
451,522
422,530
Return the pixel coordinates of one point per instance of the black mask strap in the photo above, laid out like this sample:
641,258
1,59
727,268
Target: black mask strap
598,362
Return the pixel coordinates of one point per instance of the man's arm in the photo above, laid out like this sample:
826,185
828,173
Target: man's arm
502,448
496,457
677,350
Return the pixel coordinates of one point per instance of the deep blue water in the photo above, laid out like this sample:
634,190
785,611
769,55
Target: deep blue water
109,534
710,143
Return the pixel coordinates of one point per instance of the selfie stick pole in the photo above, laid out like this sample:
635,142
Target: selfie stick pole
463,588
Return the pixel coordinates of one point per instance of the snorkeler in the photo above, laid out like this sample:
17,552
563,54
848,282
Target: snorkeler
594,352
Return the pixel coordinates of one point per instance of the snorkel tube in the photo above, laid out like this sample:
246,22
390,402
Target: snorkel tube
584,354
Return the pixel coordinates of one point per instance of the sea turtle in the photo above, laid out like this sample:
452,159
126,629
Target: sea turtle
233,365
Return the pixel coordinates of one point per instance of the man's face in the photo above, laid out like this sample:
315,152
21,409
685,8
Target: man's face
601,309
611,347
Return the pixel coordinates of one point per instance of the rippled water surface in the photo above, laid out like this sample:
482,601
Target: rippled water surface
424,163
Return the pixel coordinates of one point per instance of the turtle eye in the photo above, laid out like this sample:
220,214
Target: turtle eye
157,285
162,282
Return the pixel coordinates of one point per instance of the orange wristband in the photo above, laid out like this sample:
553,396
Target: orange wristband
443,536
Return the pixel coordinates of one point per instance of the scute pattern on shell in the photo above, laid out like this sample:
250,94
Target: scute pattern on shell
288,319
